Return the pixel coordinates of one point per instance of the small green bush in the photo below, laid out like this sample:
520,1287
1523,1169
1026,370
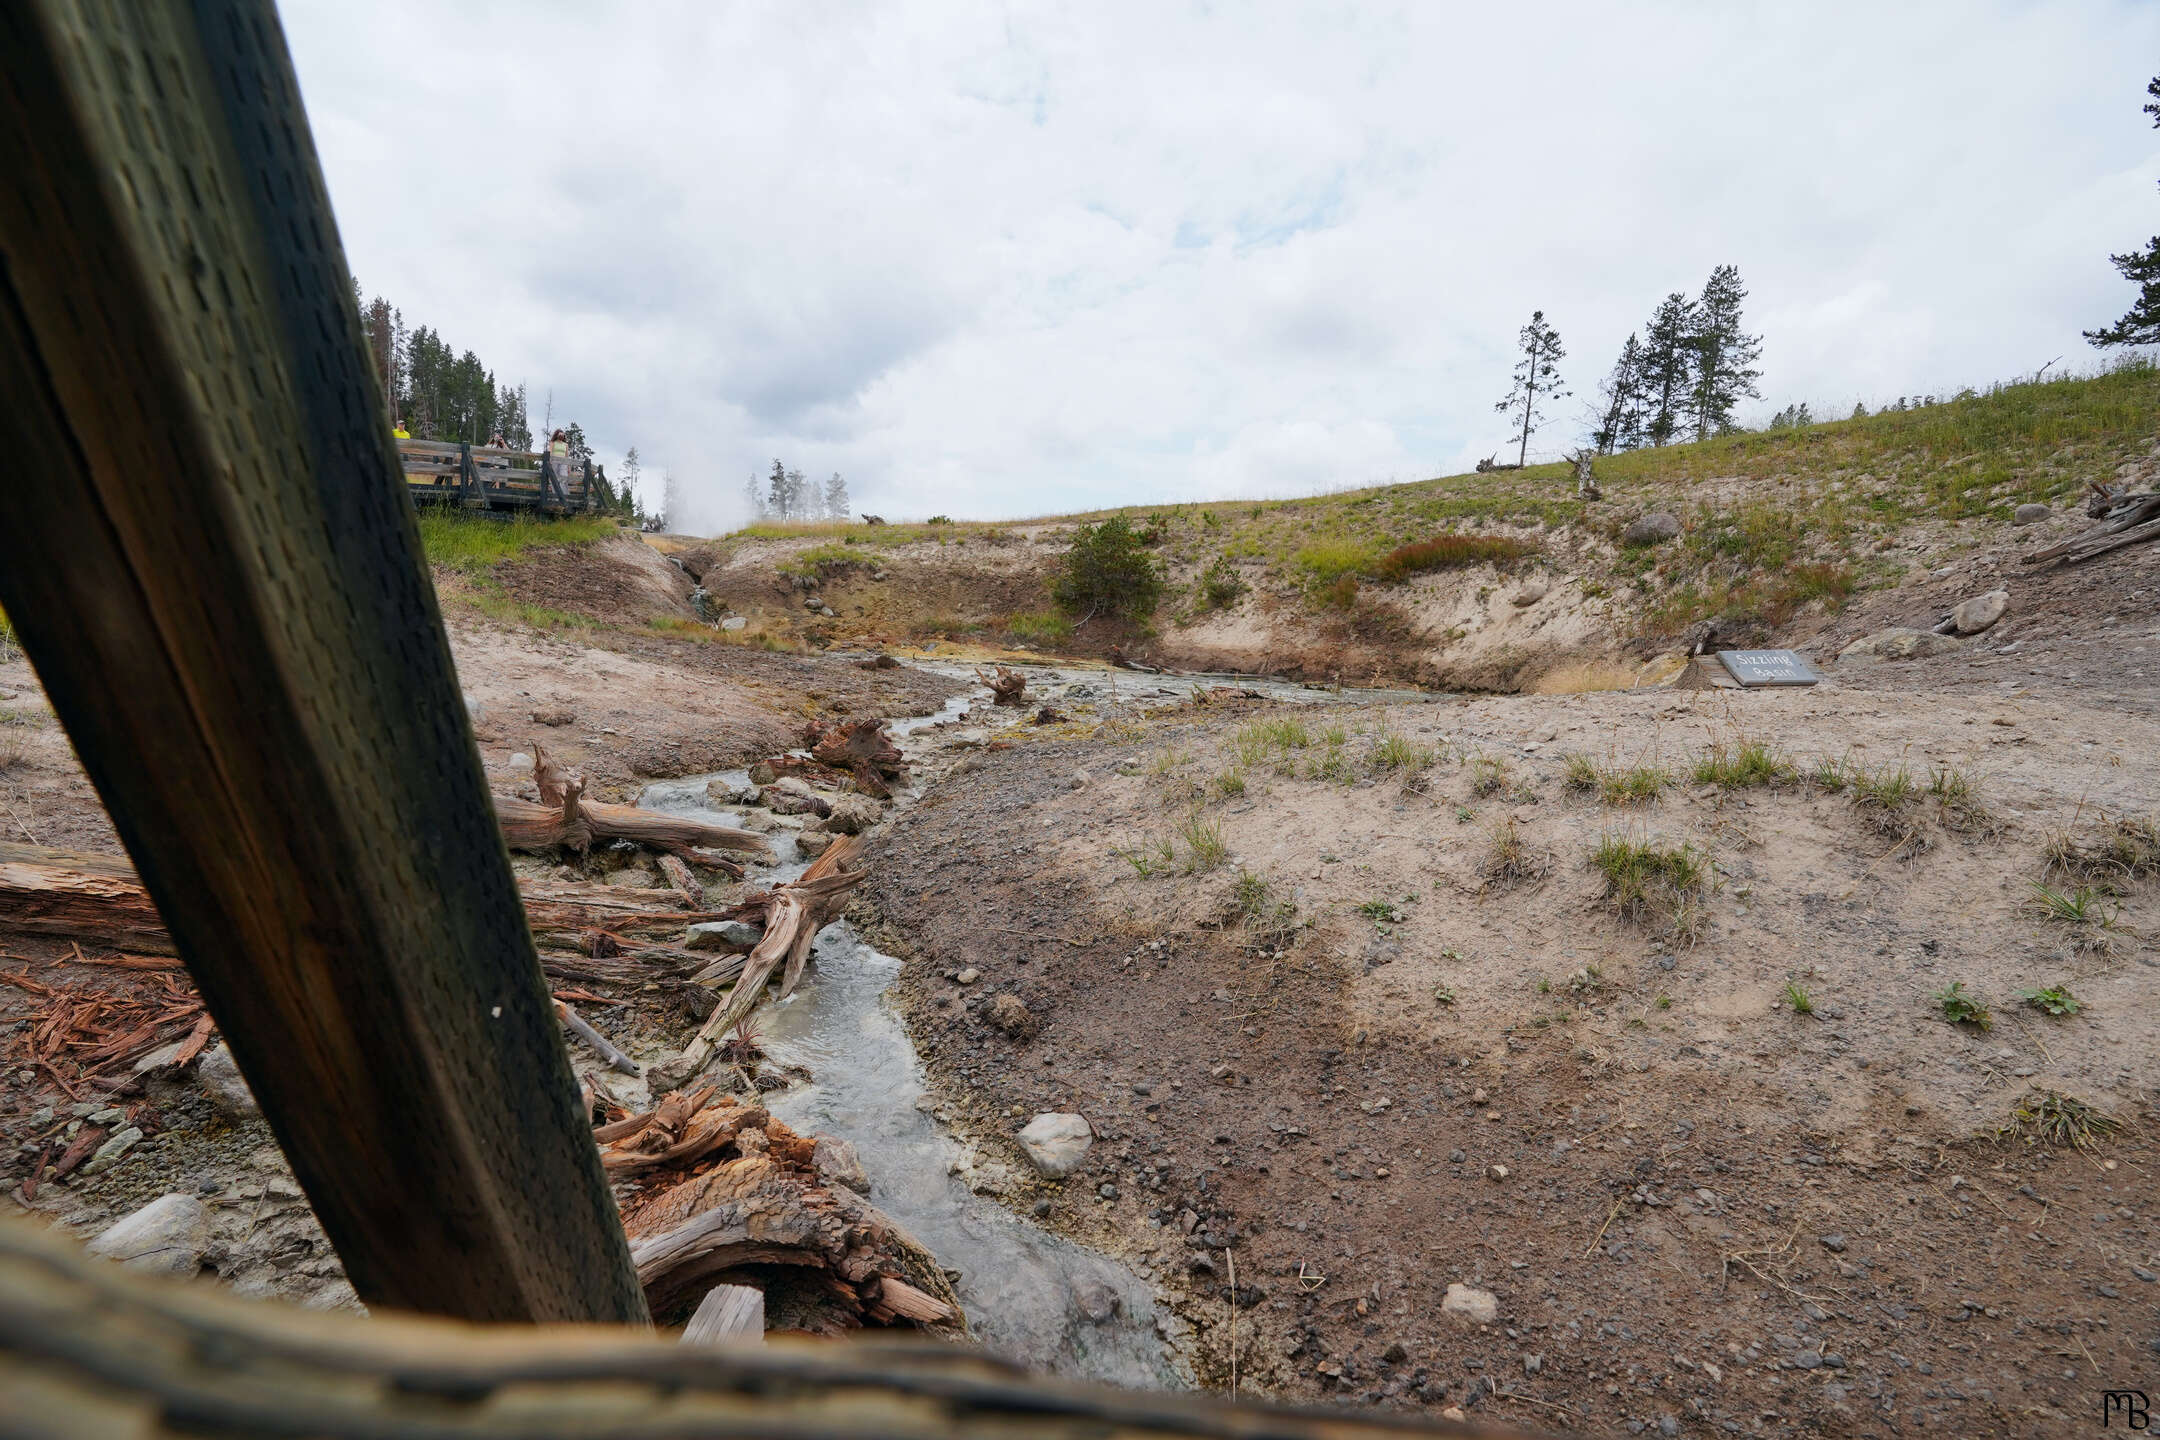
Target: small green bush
1108,571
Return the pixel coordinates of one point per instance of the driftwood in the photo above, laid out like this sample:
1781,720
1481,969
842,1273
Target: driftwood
800,767
89,897
2126,518
1007,685
684,884
565,819
860,747
761,1213
605,1048
791,915
728,1315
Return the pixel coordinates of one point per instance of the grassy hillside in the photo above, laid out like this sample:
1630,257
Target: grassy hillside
1775,520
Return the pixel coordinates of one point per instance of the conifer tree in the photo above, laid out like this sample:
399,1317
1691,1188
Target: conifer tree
1667,367
836,498
779,497
753,499
1724,354
2140,324
1622,426
1537,379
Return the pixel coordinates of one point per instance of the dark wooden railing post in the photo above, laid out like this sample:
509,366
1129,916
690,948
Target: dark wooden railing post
211,557
468,482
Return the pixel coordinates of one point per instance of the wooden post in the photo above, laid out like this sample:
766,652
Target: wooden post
468,483
211,559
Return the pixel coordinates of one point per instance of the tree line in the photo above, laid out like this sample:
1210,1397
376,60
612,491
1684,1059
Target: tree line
437,393
783,494
1681,376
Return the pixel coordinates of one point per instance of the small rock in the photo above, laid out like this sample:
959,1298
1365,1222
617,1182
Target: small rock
1652,529
723,935
1010,1014
720,792
554,715
519,764
734,622
1496,1172
159,1058
632,878
1056,1143
1897,643
968,976
222,1082
837,1160
1456,1157
1835,1244
1528,595
1808,1360
165,1237
761,773
1107,1190
1668,1426
1532,1364
1097,1303
1079,780
1981,611
853,814
812,843
2030,513
1395,1353
1468,1302
113,1151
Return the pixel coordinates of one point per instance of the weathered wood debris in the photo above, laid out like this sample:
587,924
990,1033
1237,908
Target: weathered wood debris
723,1194
2127,517
1007,685
859,747
564,819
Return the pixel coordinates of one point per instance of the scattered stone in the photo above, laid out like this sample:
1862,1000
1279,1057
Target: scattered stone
1528,595
1496,1172
1981,611
1456,1157
159,1058
519,764
632,878
1056,1142
1107,1190
222,1082
113,1151
1835,1244
1652,529
720,792
2030,513
734,622
1532,1364
554,715
813,843
853,814
1808,1360
1395,1353
165,1237
1897,643
968,976
1079,780
723,935
839,1162
1010,1014
1097,1303
1468,1302
761,773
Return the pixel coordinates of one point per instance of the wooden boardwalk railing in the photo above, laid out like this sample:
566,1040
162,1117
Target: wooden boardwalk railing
484,477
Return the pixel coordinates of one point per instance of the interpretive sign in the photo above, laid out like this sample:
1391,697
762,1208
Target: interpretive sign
1768,667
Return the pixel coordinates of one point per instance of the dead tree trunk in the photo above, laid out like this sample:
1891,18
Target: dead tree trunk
1007,686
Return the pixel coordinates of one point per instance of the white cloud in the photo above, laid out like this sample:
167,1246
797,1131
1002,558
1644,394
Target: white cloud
1010,259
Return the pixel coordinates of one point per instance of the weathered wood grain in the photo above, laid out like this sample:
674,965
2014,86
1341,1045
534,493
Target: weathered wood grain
211,559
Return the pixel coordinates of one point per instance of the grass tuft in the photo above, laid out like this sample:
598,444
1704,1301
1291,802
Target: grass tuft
1746,765
1647,882
2049,1117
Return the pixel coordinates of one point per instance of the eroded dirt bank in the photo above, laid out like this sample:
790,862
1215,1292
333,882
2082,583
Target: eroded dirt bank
1347,1056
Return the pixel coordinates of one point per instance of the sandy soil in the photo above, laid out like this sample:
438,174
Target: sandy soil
1715,1211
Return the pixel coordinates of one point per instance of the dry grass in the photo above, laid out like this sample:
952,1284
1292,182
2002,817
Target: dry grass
1581,677
2049,1117
14,755
1508,861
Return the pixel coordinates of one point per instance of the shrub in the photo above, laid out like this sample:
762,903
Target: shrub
1449,552
1220,584
1107,571
1340,593
1328,560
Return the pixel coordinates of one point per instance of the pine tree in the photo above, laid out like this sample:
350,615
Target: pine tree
778,496
1859,410
802,498
753,500
631,469
1622,427
1537,378
1667,367
2140,324
836,498
1724,354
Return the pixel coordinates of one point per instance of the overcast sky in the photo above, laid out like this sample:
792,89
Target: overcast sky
1000,260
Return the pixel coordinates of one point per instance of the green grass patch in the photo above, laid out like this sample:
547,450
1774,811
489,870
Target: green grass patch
473,545
1960,1006
1745,765
1449,552
1046,627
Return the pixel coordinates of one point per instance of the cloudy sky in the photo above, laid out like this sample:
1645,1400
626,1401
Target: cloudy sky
1001,260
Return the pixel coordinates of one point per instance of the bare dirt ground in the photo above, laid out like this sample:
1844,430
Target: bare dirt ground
1698,1210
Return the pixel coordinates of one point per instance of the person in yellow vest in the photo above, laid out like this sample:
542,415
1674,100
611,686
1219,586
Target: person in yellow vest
398,429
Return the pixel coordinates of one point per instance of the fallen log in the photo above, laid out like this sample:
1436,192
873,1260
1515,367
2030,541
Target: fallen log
565,819
605,1048
2127,518
54,892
